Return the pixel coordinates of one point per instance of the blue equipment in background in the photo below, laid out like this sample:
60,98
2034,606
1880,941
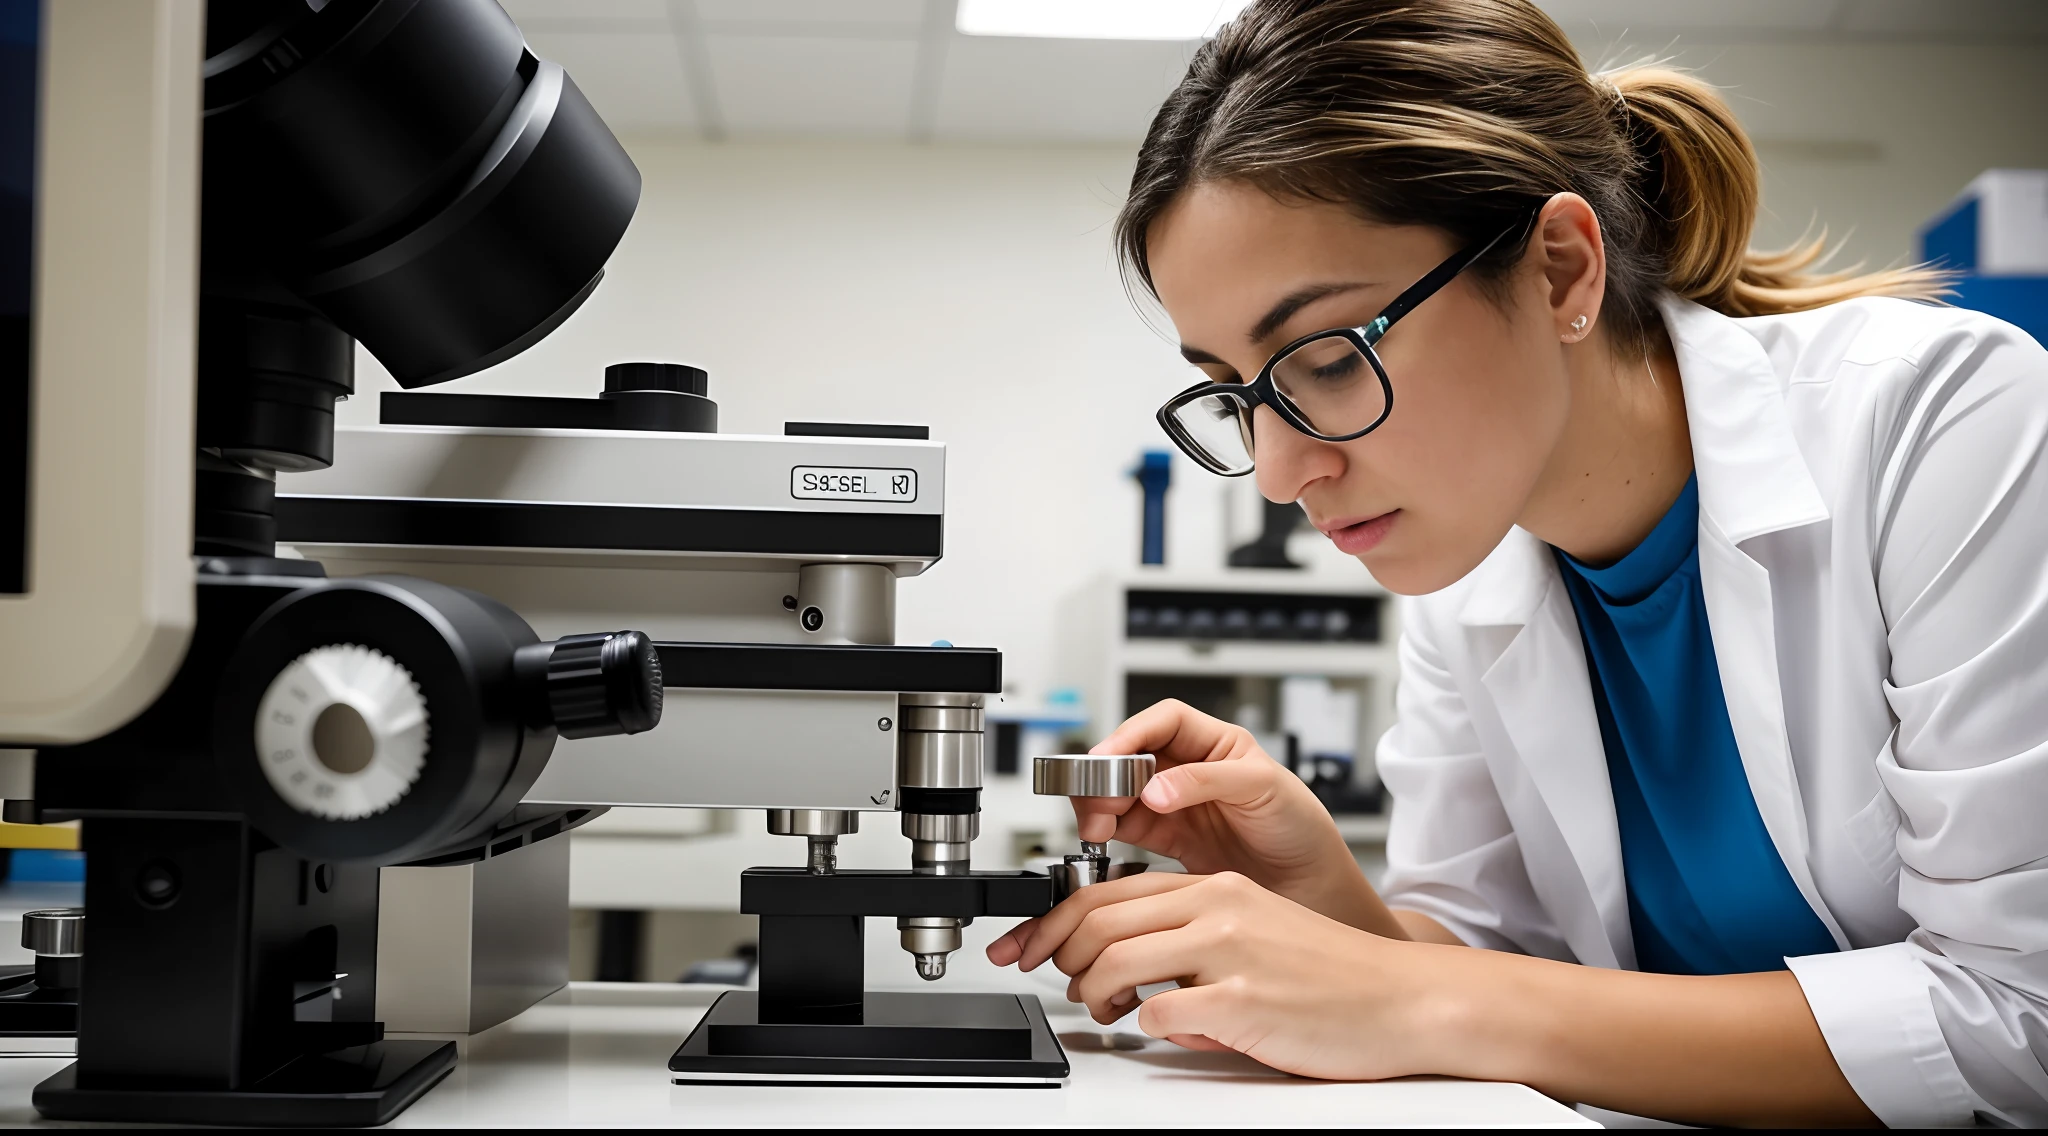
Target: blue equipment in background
1154,473
1996,234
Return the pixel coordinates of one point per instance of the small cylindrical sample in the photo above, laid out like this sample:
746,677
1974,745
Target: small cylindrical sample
1092,775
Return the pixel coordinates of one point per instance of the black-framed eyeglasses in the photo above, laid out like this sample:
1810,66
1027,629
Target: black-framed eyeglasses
1330,385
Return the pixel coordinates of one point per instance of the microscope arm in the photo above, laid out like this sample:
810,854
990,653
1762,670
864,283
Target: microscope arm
848,667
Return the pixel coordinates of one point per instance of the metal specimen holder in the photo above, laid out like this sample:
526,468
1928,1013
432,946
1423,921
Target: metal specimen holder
1090,775
813,1021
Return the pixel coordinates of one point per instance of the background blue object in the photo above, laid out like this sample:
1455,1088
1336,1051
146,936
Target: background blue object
1952,240
45,866
1154,473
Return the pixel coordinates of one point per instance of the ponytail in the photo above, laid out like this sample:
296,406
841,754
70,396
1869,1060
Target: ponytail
1702,184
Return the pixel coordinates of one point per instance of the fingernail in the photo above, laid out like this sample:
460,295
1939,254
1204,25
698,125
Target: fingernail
1122,999
1157,793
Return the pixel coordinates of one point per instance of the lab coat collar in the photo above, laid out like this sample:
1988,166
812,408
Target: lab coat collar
1753,481
1752,477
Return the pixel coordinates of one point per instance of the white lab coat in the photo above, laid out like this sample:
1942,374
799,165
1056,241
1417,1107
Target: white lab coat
1873,545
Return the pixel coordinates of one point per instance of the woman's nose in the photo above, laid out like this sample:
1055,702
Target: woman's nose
1289,461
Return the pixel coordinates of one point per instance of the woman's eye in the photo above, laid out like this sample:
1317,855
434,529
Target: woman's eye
1339,369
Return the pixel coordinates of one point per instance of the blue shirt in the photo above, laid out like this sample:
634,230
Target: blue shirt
1707,891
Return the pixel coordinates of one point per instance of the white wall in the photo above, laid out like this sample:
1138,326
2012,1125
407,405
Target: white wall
1872,139
972,290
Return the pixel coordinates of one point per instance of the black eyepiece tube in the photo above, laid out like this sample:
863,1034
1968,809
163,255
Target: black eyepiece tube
409,170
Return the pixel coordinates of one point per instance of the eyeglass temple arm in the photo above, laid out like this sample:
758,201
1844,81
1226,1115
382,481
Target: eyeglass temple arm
1439,276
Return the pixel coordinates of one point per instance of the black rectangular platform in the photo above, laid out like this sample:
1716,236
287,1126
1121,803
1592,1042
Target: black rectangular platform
348,1088
967,1040
854,891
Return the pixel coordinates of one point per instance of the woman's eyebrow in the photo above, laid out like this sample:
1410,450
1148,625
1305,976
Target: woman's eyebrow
1293,302
1198,356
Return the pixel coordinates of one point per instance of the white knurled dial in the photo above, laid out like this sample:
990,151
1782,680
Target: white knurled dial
341,733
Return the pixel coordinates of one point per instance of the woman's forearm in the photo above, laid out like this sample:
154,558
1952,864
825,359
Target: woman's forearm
1738,1049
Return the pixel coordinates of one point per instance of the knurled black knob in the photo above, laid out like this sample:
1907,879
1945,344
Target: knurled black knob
674,378
659,396
600,685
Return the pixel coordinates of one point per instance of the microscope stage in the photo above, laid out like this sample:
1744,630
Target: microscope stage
906,1038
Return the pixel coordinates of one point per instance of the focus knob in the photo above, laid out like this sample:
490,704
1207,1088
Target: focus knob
58,932
599,685
341,732
660,396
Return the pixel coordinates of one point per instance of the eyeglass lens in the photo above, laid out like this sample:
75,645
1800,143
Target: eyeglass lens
1332,385
1220,425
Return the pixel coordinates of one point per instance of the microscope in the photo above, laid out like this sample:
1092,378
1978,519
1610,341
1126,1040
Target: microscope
765,568
291,658
247,738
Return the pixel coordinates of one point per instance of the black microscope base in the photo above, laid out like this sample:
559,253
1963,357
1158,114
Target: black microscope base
348,1088
960,1040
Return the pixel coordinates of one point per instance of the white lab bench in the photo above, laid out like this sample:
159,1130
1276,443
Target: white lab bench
596,1054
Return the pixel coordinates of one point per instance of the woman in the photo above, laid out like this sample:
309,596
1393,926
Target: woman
1723,718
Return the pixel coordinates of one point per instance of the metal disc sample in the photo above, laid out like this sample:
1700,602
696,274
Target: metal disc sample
1092,775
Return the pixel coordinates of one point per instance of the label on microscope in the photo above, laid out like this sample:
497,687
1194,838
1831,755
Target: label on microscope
852,483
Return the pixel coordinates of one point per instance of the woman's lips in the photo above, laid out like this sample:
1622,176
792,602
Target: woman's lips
1358,537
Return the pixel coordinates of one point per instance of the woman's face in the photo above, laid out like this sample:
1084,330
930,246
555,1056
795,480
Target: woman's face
1481,393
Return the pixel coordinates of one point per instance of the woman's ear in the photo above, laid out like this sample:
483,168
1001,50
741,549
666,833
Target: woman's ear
1568,249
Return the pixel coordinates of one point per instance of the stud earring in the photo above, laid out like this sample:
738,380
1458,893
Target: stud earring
1578,329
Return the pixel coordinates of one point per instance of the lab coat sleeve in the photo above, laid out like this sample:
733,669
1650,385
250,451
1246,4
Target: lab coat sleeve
1452,853
1952,1024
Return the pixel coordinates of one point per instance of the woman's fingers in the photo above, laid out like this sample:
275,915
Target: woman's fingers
1120,922
1193,1012
1244,784
1054,927
1109,987
1177,733
1010,946
1096,817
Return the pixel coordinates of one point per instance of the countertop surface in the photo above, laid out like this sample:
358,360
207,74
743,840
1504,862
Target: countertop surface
597,1054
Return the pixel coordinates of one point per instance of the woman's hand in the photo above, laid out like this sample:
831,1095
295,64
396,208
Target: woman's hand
1259,973
1219,804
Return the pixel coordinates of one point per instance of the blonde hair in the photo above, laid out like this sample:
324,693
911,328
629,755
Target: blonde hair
1467,114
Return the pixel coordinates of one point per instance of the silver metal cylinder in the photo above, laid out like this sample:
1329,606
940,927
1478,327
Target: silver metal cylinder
813,822
957,828
847,603
1076,873
59,932
1092,775
930,940
822,827
939,746
939,740
824,856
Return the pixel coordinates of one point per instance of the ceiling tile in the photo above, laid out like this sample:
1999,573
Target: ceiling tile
634,79
800,16
808,85
589,12
1085,90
